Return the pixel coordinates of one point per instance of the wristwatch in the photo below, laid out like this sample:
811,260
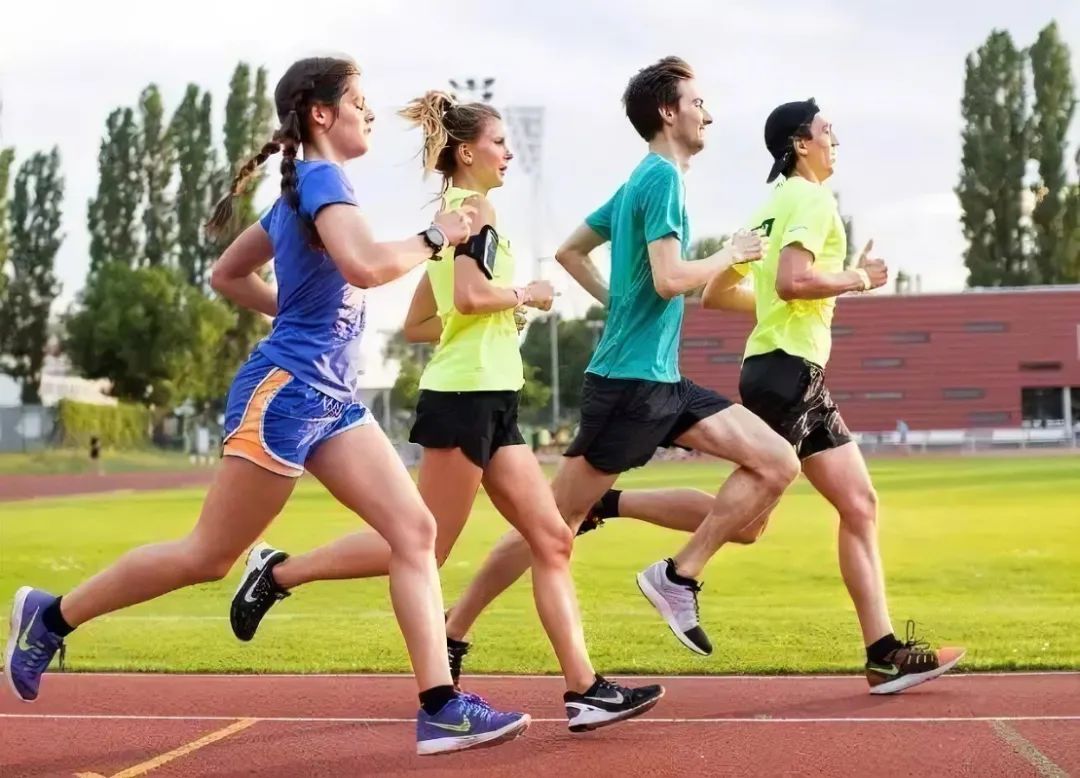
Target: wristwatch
435,239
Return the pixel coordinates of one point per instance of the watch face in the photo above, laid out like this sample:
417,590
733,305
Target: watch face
436,238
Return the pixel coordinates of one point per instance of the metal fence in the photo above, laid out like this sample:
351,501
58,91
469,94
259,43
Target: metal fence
27,428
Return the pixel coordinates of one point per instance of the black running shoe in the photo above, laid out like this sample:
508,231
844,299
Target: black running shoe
455,652
608,703
257,592
592,520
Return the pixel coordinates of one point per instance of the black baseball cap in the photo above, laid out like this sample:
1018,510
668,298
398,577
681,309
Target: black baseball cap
780,128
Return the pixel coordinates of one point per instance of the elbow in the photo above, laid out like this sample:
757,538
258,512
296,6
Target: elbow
413,334
666,289
787,290
564,256
219,280
361,276
466,304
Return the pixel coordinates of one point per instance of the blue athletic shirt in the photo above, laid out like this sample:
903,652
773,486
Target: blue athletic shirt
316,334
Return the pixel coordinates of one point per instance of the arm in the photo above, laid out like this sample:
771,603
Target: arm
725,292
422,323
673,276
573,255
797,279
474,293
235,273
363,261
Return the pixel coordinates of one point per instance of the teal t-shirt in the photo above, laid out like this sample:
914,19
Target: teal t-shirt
641,338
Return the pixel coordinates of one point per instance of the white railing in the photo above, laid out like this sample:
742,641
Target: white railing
970,439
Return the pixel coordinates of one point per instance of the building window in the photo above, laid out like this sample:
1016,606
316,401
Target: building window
725,359
883,396
702,343
1040,367
839,331
986,326
1043,406
882,362
910,337
963,394
989,418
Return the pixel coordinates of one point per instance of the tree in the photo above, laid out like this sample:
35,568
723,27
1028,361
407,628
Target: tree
35,239
7,156
248,114
995,142
406,389
149,333
112,215
196,159
1071,227
158,159
577,341
1053,111
535,394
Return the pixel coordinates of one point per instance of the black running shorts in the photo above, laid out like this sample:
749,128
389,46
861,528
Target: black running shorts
788,393
624,421
479,423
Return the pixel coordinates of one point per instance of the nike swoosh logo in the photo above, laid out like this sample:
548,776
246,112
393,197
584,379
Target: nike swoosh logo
23,645
251,589
886,669
618,699
463,727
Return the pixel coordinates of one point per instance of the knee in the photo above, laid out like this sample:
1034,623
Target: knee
204,565
781,467
416,536
553,545
859,513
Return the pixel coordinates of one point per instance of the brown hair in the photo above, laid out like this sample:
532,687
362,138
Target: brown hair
315,80
653,88
446,124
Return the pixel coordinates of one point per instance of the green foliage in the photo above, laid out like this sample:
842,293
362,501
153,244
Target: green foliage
192,138
1054,105
121,426
7,156
995,142
35,238
158,159
113,213
151,334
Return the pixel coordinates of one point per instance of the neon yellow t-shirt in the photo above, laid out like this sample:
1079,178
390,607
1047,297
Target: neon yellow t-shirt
476,353
798,211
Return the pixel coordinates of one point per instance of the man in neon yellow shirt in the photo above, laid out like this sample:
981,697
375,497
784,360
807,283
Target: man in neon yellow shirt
795,287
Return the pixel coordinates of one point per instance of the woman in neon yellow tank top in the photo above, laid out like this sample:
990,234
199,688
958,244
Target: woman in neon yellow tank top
466,418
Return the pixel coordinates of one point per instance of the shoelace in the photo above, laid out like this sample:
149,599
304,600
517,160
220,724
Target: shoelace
456,654
916,651
40,655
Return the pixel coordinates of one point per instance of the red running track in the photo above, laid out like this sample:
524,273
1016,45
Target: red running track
132,725
25,487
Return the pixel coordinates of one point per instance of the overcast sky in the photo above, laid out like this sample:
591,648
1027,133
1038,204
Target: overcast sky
889,77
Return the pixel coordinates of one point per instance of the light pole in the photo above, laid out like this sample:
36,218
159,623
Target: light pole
475,89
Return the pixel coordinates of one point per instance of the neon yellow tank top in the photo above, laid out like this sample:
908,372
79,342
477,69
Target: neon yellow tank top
476,353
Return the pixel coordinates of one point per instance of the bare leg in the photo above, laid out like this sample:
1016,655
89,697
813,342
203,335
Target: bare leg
766,466
576,487
362,470
241,502
448,485
519,490
681,509
840,475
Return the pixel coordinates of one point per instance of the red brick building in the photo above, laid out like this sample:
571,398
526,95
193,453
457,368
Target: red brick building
986,358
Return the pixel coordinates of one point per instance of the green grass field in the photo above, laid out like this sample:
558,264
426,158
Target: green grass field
983,552
66,460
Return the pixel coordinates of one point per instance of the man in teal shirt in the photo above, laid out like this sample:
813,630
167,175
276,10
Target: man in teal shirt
634,399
